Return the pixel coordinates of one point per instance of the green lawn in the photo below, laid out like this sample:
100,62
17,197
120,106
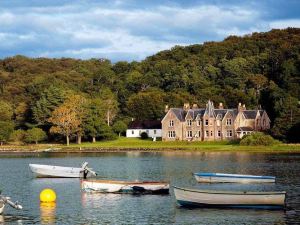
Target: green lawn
136,143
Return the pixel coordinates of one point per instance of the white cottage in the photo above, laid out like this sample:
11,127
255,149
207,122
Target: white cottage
151,127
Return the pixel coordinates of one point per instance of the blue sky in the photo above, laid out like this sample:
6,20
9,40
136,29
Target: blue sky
132,29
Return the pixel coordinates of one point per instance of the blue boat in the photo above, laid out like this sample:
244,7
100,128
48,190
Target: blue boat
232,178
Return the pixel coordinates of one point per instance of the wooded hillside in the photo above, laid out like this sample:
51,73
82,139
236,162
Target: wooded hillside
259,70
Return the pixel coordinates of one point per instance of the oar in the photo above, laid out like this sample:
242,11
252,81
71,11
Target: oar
15,205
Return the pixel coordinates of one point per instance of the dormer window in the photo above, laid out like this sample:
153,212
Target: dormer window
189,122
171,124
228,122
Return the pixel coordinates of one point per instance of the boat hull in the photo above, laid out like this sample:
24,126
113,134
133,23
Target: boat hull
222,199
57,171
232,178
138,187
2,206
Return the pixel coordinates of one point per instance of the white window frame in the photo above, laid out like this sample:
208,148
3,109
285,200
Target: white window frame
189,123
189,134
198,123
219,133
229,133
229,122
132,132
211,133
206,133
171,123
171,134
206,122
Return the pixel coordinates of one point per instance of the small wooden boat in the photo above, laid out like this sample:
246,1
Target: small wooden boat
134,187
60,171
232,178
229,199
6,200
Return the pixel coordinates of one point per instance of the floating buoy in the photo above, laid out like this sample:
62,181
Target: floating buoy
47,195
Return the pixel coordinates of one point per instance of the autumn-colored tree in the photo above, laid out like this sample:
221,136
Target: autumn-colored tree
65,121
78,104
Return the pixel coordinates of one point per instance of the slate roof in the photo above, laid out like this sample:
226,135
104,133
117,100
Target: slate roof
145,124
250,114
244,129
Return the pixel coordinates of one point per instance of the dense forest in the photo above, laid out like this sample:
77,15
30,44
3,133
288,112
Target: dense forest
261,70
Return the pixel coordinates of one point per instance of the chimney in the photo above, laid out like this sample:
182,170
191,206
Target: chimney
166,108
132,119
195,106
221,105
186,106
244,107
240,107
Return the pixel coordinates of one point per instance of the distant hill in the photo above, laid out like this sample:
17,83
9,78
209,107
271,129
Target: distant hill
259,70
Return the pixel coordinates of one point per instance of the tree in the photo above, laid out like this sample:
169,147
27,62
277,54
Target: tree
18,136
94,118
6,111
110,105
78,104
146,105
51,98
6,128
119,127
65,121
35,135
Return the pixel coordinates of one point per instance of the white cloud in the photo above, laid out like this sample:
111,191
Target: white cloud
280,24
84,31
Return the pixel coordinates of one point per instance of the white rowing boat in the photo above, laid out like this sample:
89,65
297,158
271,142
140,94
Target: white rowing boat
229,199
111,186
61,171
232,178
6,200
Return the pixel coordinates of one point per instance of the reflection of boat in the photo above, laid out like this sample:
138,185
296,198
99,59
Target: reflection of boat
232,178
6,200
61,171
110,186
229,199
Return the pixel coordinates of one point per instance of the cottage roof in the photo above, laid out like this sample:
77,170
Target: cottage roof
250,114
244,129
145,124
179,113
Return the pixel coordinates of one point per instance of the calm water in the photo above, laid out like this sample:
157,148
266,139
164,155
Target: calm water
74,207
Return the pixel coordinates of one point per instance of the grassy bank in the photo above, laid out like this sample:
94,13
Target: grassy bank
138,144
123,144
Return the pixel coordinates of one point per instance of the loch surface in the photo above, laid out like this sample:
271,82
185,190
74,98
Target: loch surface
74,207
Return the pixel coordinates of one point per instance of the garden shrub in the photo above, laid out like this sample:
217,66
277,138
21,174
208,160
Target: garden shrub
257,138
144,135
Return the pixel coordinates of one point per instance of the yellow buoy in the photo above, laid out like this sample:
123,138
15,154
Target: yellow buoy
47,195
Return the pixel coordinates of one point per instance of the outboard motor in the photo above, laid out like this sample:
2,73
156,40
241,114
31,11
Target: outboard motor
86,170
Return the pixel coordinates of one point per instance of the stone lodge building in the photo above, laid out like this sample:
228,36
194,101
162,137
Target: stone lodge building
209,124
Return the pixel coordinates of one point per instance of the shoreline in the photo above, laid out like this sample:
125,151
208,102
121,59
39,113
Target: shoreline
79,150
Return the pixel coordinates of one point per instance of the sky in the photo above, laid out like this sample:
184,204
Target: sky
131,29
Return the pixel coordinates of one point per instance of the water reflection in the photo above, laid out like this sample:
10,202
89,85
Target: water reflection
48,211
228,216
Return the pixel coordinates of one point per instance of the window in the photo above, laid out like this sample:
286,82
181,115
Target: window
171,124
132,132
189,122
206,133
154,131
198,122
211,133
199,133
229,133
219,133
189,134
228,122
171,134
206,122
